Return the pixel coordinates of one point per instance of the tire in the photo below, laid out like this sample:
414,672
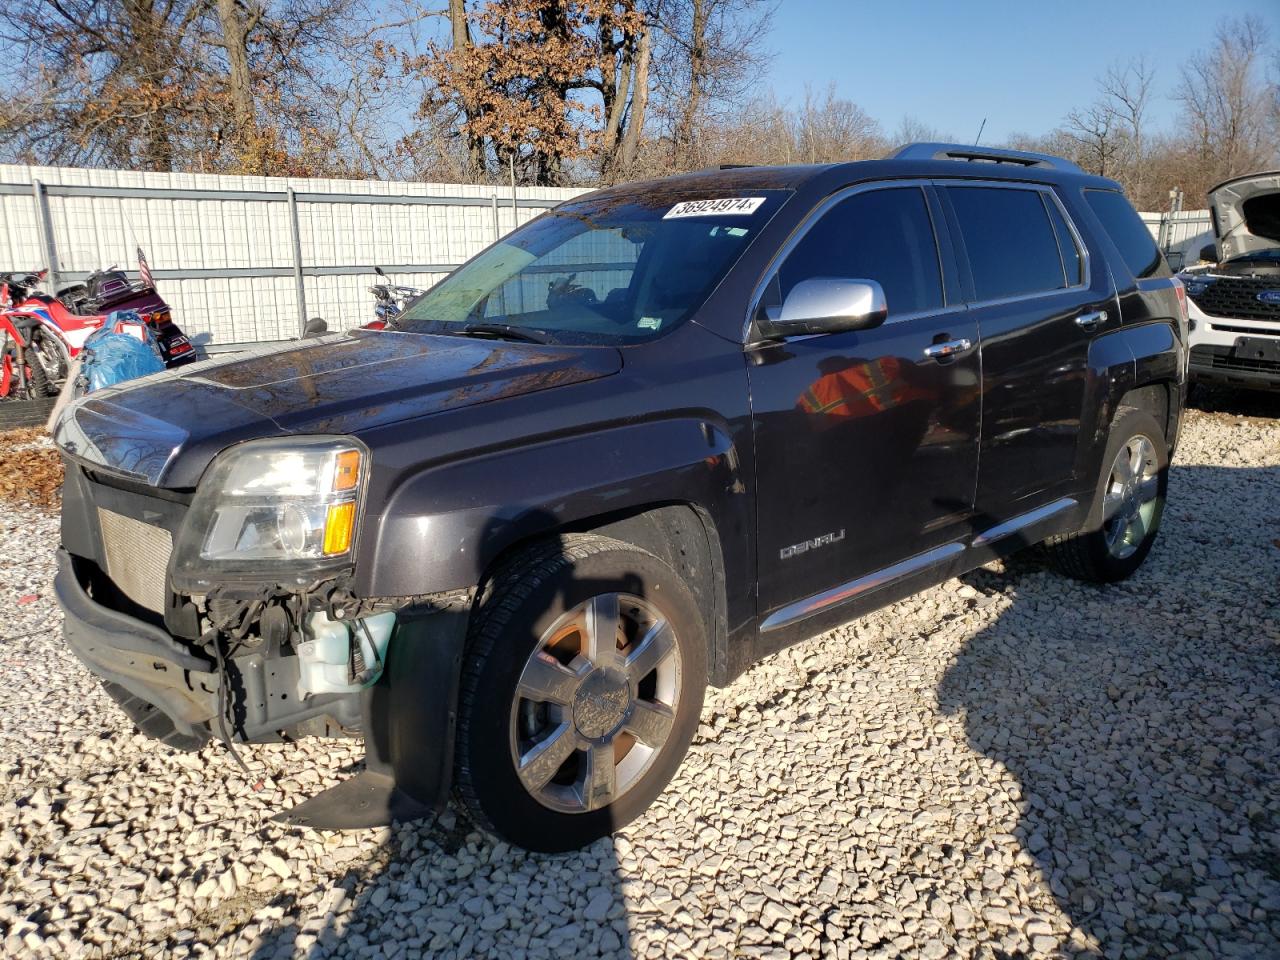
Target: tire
1124,521
531,634
38,385
49,351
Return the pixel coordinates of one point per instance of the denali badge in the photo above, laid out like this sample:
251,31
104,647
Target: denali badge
796,549
1270,296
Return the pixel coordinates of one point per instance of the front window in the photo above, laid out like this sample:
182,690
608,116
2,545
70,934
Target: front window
612,270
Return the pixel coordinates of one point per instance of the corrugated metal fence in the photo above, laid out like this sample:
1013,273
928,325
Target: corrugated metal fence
1181,235
238,257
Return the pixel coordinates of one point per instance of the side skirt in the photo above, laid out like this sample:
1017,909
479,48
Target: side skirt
815,614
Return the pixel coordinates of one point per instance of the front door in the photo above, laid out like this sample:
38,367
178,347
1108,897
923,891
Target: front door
866,447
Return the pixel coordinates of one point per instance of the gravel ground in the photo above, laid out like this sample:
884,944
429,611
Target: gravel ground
1008,765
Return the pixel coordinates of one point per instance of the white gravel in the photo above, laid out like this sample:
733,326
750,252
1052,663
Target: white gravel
1011,764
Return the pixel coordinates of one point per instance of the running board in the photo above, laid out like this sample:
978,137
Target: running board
803,609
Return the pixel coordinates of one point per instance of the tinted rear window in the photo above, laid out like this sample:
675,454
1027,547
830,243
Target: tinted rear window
1009,240
1133,240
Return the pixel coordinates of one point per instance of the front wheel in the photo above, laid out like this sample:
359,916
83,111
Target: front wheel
581,689
1127,507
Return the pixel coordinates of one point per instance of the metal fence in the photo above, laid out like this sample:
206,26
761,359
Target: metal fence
246,259
1181,235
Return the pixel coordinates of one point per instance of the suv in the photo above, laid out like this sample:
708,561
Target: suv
655,435
1235,302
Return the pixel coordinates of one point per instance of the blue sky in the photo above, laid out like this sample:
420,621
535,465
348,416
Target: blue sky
1021,65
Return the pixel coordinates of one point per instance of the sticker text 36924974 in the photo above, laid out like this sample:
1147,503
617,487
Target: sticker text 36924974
741,206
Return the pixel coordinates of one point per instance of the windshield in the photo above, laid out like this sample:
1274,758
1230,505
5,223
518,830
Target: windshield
612,270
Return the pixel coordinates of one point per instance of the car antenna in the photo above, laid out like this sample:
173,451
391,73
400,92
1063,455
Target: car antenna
981,127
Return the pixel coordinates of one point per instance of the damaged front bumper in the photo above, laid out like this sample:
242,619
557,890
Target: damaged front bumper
170,690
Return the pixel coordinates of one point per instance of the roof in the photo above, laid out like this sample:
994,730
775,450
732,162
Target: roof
936,160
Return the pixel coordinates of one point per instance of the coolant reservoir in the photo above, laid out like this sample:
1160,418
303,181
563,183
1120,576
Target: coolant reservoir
324,659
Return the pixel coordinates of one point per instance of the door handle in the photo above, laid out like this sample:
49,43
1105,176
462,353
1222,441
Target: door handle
945,351
1088,322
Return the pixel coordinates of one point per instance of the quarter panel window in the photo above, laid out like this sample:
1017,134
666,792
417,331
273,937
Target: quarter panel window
1127,231
1072,261
882,235
1009,240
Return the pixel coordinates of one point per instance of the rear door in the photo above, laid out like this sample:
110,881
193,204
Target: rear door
1038,302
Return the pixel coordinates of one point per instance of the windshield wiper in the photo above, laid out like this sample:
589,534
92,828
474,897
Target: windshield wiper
504,331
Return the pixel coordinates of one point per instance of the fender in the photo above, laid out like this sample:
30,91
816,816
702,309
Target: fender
443,527
1119,362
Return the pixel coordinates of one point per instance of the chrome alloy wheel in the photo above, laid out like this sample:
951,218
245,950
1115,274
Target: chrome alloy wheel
595,703
1129,502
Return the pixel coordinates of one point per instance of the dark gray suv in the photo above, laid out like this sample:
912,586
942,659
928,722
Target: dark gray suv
655,435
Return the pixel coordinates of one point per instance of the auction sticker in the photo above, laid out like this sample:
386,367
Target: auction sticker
741,206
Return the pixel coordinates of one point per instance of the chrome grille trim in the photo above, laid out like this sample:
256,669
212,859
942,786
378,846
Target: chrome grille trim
137,557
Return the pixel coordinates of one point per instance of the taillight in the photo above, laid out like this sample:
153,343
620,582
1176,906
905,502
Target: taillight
375,325
1182,299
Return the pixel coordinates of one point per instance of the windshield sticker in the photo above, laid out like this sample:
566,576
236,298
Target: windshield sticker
649,323
738,206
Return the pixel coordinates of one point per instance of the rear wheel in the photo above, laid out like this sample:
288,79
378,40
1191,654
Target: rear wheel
48,355
1127,507
581,689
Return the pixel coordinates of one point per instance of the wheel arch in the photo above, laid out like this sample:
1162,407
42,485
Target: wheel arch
681,534
1139,366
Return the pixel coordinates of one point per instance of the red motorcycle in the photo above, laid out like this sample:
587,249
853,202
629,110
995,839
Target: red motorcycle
49,332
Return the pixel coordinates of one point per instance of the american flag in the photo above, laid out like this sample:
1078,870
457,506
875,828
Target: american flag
144,271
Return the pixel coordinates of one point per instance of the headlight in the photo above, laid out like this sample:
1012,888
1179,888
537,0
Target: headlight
273,509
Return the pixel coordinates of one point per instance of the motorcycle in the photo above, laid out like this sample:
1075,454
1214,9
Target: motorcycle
58,327
22,374
391,300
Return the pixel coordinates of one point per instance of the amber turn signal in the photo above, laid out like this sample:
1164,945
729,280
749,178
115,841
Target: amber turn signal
346,472
339,524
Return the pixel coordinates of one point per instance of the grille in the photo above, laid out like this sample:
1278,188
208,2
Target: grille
137,557
1225,358
1238,297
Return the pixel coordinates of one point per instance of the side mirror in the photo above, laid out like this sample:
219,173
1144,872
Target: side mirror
830,305
1209,253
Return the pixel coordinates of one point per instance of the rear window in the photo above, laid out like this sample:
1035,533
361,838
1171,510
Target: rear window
1136,245
1010,241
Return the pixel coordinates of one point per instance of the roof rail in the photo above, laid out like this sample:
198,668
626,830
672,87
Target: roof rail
960,151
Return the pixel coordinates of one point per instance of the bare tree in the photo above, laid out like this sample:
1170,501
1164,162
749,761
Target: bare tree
830,129
1096,136
1224,100
1127,90
711,52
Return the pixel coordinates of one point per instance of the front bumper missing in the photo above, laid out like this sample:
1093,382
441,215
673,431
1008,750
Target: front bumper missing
143,667
407,717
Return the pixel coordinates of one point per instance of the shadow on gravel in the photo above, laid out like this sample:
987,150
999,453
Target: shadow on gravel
437,890
1241,403
1142,721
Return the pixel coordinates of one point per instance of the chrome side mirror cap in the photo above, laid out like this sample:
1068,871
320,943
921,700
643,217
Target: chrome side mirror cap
830,305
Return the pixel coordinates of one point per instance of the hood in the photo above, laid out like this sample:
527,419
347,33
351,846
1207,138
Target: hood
1246,214
165,429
